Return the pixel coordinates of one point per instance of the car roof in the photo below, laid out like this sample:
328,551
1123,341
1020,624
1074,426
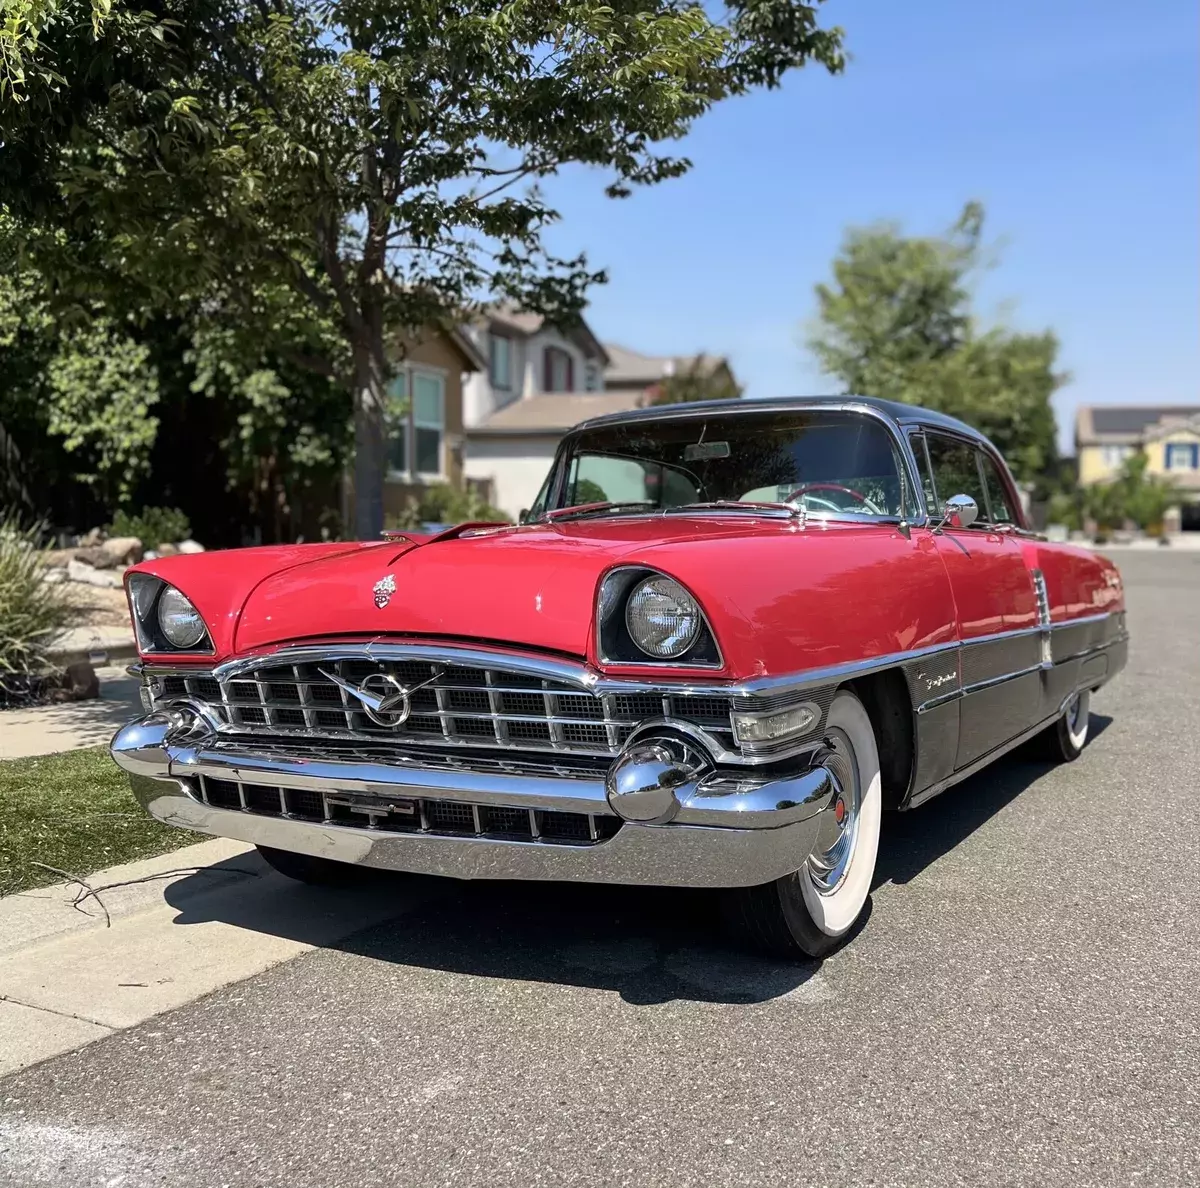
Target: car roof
901,414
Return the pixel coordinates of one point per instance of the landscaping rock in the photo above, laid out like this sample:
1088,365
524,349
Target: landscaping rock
77,571
168,549
190,546
123,550
88,539
93,555
53,576
57,558
80,682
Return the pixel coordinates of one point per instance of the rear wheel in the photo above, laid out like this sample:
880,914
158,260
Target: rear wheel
808,912
319,872
1065,740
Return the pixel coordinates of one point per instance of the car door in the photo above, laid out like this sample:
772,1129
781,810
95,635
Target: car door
995,600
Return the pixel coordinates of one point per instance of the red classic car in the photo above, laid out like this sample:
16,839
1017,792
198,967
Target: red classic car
725,638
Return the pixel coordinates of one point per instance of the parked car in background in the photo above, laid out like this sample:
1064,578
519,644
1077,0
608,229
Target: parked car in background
725,639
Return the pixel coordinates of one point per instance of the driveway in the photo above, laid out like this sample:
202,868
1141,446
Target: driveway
1020,1008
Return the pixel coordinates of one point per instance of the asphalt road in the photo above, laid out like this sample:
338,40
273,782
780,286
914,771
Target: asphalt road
1021,1007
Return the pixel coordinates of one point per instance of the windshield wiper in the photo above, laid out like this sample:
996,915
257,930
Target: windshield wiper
790,510
592,509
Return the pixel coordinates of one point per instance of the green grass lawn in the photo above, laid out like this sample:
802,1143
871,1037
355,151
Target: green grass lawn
74,811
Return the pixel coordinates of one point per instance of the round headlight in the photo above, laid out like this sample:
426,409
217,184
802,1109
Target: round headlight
179,619
662,617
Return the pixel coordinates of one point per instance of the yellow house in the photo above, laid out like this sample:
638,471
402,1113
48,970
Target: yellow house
1107,434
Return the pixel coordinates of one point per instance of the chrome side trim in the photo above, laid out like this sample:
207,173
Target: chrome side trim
588,678
980,763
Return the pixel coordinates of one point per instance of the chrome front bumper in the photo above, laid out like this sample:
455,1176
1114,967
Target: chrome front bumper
714,830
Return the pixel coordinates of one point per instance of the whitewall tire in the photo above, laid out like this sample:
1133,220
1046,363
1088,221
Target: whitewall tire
1065,740
809,911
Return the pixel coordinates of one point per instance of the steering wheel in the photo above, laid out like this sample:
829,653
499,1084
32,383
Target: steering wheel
804,488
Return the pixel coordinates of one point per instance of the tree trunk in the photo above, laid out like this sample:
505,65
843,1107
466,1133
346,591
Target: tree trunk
370,443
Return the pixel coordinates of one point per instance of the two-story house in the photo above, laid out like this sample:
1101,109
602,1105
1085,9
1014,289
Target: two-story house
1169,435
540,381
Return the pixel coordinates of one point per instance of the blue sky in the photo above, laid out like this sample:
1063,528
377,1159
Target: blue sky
1074,121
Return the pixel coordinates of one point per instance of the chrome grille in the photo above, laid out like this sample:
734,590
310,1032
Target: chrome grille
448,818
457,705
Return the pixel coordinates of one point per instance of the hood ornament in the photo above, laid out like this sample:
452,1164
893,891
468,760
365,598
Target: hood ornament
384,589
384,699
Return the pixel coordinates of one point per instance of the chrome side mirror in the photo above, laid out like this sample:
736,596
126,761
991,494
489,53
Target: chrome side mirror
960,511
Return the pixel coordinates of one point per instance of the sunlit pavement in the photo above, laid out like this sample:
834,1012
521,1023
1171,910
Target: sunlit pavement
1021,1007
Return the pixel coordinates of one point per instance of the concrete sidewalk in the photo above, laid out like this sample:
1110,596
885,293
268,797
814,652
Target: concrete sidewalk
72,975
69,725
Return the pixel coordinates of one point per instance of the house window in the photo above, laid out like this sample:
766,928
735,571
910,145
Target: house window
559,371
1182,456
429,400
416,423
500,362
1114,455
591,377
397,424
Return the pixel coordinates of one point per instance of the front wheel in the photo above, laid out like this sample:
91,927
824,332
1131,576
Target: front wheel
808,912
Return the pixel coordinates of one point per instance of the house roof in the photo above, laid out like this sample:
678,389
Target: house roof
1127,424
631,368
518,321
553,414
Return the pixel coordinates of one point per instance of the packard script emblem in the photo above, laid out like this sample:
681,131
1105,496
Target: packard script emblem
384,589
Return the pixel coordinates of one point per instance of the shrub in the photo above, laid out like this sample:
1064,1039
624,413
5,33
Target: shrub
32,610
152,525
439,503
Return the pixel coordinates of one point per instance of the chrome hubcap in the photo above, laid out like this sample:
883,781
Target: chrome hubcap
834,847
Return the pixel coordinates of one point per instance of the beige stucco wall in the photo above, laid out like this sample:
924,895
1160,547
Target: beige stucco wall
517,467
1093,468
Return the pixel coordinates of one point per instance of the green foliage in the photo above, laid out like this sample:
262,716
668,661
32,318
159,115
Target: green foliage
589,491
73,811
32,610
1135,496
897,323
378,161
440,503
152,526
700,381
101,388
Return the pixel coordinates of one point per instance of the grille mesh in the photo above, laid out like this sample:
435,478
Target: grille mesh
449,705
444,817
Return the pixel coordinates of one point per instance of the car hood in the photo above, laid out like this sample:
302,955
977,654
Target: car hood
534,585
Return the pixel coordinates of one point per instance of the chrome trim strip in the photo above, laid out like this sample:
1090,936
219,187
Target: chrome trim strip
589,679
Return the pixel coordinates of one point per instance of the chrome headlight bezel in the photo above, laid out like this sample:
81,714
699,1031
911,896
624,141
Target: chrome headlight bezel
616,642
145,593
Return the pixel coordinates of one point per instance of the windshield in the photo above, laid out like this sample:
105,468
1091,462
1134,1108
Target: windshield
832,463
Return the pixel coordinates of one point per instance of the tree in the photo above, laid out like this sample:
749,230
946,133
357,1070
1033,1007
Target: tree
700,380
897,323
1134,496
378,159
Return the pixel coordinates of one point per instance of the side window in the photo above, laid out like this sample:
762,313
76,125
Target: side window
954,470
997,492
917,441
